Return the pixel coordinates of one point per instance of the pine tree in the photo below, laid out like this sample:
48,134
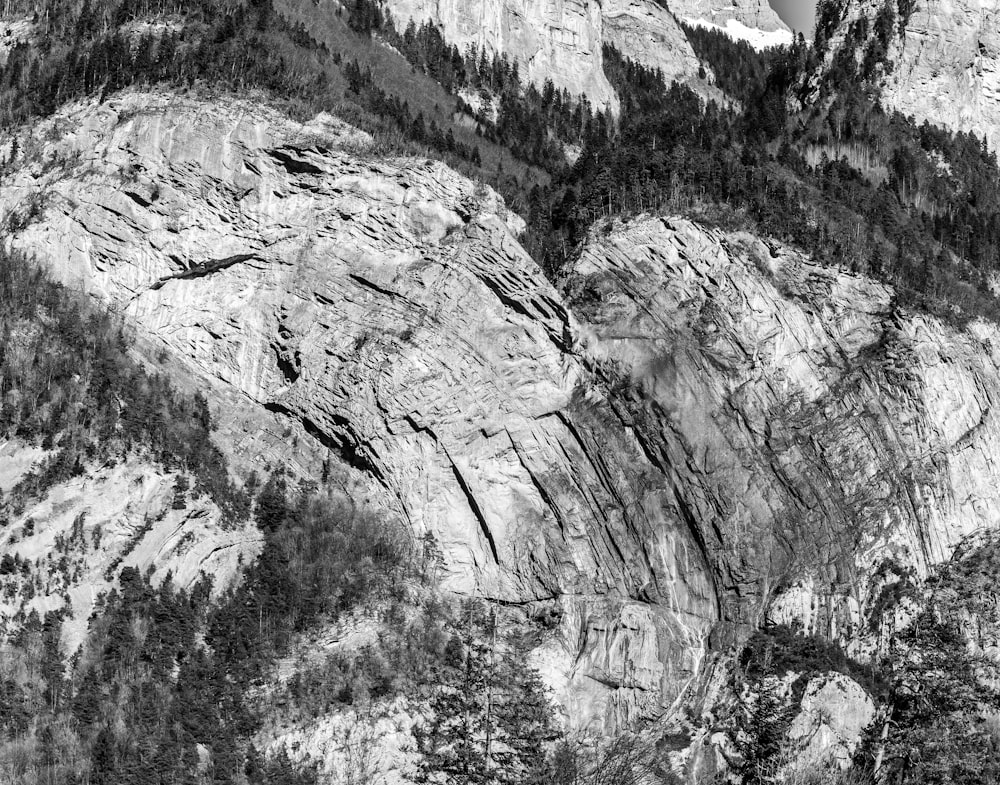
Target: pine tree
102,758
491,718
52,666
526,722
453,742
181,486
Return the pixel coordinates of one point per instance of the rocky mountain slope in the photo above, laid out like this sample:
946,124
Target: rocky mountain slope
700,432
387,308
562,41
755,14
947,67
943,61
753,21
74,542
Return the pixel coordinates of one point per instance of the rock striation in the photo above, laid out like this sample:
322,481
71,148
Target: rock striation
12,33
947,68
817,435
562,40
387,309
755,14
698,430
647,32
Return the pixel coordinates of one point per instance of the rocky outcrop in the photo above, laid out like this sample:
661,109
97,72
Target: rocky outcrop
944,63
753,21
562,40
646,32
755,14
817,436
374,745
834,713
75,540
947,68
12,33
700,429
386,308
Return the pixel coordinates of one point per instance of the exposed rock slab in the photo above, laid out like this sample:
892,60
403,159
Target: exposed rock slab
947,67
559,40
753,21
755,14
12,33
77,539
834,713
700,428
387,309
814,433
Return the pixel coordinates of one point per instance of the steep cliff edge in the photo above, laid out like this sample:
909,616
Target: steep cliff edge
562,41
700,430
944,61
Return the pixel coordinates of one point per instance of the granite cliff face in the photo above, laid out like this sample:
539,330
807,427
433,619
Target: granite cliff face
814,431
945,63
947,68
387,308
562,40
698,431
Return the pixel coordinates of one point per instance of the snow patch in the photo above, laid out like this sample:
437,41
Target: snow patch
758,39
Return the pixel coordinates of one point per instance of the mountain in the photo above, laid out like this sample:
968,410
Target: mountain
562,41
940,58
753,21
466,401
390,314
703,431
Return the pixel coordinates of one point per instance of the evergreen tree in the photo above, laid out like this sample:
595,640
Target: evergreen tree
490,718
181,486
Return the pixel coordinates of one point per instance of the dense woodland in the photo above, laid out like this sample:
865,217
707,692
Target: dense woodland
172,687
857,188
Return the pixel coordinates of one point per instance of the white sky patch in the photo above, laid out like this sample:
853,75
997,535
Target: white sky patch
758,39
